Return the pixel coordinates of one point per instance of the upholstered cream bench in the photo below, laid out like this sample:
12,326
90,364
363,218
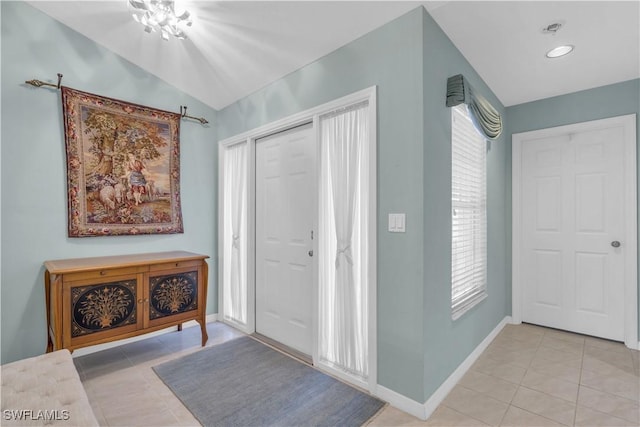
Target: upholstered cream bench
44,390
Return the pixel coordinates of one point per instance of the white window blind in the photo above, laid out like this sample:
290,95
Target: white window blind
468,214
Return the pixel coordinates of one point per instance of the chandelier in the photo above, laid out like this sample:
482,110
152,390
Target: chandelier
160,15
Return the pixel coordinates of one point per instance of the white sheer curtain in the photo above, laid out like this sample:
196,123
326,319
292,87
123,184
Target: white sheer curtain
235,234
343,245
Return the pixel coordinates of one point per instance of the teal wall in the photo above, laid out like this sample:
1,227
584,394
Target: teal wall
447,343
409,60
593,104
34,218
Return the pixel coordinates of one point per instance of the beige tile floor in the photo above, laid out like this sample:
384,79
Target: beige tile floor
528,376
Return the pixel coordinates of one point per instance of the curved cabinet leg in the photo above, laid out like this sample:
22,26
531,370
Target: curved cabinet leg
203,329
203,295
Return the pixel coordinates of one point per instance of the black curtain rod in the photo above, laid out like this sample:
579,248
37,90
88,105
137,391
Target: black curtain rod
183,108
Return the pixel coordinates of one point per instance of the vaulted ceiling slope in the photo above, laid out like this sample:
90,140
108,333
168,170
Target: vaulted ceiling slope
237,47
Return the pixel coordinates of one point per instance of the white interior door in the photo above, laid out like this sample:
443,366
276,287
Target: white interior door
572,214
285,217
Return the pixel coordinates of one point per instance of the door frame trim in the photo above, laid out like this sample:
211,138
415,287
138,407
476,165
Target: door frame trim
628,123
249,137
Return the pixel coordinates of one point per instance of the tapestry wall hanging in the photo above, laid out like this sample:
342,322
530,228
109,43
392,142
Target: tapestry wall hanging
123,167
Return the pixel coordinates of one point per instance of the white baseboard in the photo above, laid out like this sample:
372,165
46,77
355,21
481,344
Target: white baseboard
99,347
424,410
439,395
401,402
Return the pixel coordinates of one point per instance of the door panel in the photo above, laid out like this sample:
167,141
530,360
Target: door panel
285,214
549,204
548,276
572,209
590,280
590,203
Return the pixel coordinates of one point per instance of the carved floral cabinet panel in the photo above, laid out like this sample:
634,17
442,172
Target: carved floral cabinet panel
172,294
102,299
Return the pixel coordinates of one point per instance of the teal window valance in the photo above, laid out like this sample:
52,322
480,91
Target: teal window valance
485,118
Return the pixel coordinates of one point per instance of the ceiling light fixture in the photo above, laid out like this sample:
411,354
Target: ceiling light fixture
559,51
160,15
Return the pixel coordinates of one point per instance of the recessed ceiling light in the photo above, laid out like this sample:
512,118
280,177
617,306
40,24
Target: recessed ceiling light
556,52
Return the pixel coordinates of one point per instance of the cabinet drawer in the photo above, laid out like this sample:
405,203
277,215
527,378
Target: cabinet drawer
175,264
104,273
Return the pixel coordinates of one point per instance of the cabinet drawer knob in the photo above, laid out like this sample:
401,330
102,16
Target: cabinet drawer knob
140,301
103,273
177,264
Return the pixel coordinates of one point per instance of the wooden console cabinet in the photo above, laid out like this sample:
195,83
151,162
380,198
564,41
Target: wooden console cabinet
102,299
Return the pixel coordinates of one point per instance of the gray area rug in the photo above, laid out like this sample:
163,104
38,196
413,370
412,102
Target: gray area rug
245,383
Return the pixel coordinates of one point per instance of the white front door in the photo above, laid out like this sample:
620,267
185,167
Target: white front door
572,219
285,217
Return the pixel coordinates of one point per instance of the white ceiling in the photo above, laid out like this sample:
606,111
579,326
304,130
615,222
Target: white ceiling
237,47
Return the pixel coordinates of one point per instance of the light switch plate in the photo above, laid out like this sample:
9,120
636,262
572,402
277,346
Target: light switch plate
397,222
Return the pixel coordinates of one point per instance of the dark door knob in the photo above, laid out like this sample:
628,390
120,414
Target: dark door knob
615,244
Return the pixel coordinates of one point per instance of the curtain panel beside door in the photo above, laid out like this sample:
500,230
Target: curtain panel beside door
343,239
234,279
